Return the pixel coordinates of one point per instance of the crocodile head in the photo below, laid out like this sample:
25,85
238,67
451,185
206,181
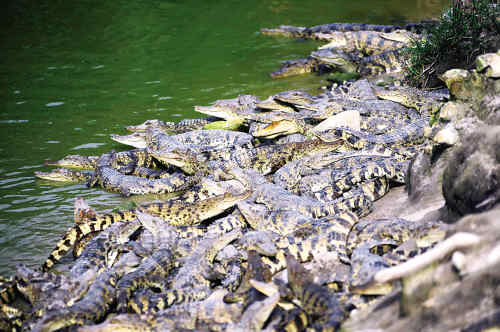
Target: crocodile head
75,161
63,175
148,124
227,109
136,139
281,127
339,60
185,160
273,105
295,97
336,39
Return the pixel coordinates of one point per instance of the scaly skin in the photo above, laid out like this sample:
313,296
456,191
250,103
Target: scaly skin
136,139
311,32
75,161
64,175
366,42
315,299
233,110
342,181
111,179
265,159
173,212
319,237
93,307
411,97
180,127
411,134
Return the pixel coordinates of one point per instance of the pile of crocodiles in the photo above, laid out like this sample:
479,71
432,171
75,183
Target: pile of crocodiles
366,49
267,227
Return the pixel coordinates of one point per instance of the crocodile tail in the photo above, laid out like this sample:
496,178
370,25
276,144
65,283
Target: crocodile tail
80,230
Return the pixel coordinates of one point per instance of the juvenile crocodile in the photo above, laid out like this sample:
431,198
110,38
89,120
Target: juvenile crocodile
365,42
75,161
423,101
64,175
275,197
255,270
340,181
110,179
303,32
409,135
190,282
321,236
93,307
154,269
321,306
264,159
234,110
197,141
180,127
173,212
96,254
136,139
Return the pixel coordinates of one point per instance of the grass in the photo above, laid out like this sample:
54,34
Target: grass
461,35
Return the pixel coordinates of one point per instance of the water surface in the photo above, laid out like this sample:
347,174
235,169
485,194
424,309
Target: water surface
73,72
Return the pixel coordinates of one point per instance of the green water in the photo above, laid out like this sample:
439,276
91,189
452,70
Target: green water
73,72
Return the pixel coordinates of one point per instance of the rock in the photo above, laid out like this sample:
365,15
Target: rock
454,80
454,110
471,179
490,64
446,136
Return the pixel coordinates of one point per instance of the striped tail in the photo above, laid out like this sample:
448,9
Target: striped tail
78,231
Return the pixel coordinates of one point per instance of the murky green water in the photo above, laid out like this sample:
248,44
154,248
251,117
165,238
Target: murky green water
73,72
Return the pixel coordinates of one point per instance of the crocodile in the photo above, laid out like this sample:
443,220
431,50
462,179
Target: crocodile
365,42
75,161
136,139
425,102
311,32
320,305
92,307
190,283
154,268
341,181
275,197
180,127
408,135
64,175
319,237
341,62
173,212
111,179
96,254
195,141
234,110
264,159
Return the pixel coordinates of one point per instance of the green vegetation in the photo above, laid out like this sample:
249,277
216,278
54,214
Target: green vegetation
463,33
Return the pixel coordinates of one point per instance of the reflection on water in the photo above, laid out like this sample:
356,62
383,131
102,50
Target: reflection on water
74,72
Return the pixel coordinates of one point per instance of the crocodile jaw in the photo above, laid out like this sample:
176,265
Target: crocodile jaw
219,112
